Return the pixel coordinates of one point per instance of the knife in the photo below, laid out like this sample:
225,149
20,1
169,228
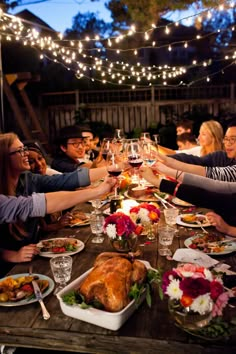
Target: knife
39,298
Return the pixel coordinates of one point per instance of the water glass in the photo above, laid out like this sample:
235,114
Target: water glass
96,225
166,234
61,267
171,216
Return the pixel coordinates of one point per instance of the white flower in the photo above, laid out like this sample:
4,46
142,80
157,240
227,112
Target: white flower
173,290
208,274
202,304
143,215
111,230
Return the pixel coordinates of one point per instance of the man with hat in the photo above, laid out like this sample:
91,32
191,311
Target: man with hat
70,150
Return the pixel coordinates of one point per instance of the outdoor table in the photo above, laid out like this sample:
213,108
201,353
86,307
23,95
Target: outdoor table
150,330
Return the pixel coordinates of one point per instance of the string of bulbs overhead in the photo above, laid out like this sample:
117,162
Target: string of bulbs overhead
73,55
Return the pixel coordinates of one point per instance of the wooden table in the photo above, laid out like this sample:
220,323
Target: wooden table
149,330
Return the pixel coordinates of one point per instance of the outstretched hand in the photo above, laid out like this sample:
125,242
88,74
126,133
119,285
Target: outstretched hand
147,173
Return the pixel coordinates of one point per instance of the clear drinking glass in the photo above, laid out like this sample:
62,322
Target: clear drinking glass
96,225
61,267
166,234
171,216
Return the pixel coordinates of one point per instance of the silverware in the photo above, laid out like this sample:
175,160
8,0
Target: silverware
39,297
200,224
164,202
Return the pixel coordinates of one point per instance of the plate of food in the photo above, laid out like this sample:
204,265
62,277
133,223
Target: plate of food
105,306
17,289
79,218
211,244
181,202
55,246
145,194
192,220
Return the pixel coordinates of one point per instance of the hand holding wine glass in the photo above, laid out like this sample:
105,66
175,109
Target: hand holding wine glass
114,166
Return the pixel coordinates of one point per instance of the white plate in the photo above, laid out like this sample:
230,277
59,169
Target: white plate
105,319
181,202
80,247
81,223
230,247
143,198
186,224
31,300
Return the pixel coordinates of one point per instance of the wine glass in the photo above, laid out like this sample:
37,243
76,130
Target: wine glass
114,166
134,156
119,135
106,147
96,204
96,225
149,152
145,136
156,138
61,267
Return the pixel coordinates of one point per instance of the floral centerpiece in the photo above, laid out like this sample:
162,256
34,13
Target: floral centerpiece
195,295
146,214
122,231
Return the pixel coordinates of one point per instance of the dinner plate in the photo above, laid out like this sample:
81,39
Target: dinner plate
229,246
187,224
81,223
146,199
30,300
181,202
80,247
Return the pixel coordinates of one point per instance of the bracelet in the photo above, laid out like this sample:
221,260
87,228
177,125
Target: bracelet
176,189
178,174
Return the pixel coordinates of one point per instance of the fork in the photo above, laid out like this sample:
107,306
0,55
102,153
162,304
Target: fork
200,224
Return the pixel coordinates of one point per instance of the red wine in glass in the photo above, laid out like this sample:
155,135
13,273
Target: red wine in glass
114,172
136,163
104,155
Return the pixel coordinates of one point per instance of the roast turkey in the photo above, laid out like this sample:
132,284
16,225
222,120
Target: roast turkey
110,280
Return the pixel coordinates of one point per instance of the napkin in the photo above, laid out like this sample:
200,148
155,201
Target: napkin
193,256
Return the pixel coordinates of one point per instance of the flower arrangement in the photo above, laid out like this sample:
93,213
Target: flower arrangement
196,289
122,231
145,213
119,225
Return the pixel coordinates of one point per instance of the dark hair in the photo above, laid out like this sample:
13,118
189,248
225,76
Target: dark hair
185,123
68,132
34,146
232,123
186,137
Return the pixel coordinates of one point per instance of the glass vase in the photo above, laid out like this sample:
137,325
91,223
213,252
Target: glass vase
151,231
124,244
186,318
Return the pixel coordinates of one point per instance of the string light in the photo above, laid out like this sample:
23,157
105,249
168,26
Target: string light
12,28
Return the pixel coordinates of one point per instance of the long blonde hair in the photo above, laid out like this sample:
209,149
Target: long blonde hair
216,131
6,140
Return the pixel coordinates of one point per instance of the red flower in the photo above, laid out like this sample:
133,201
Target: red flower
195,287
216,289
124,225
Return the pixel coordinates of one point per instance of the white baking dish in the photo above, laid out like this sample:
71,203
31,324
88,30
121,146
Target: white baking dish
109,320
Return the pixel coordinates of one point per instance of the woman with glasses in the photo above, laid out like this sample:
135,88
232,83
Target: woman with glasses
19,239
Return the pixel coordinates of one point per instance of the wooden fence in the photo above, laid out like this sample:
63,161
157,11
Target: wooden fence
129,109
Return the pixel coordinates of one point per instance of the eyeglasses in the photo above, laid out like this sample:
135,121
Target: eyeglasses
22,151
231,140
76,145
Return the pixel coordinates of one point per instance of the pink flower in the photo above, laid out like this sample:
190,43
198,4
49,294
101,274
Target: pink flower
216,289
220,304
190,270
